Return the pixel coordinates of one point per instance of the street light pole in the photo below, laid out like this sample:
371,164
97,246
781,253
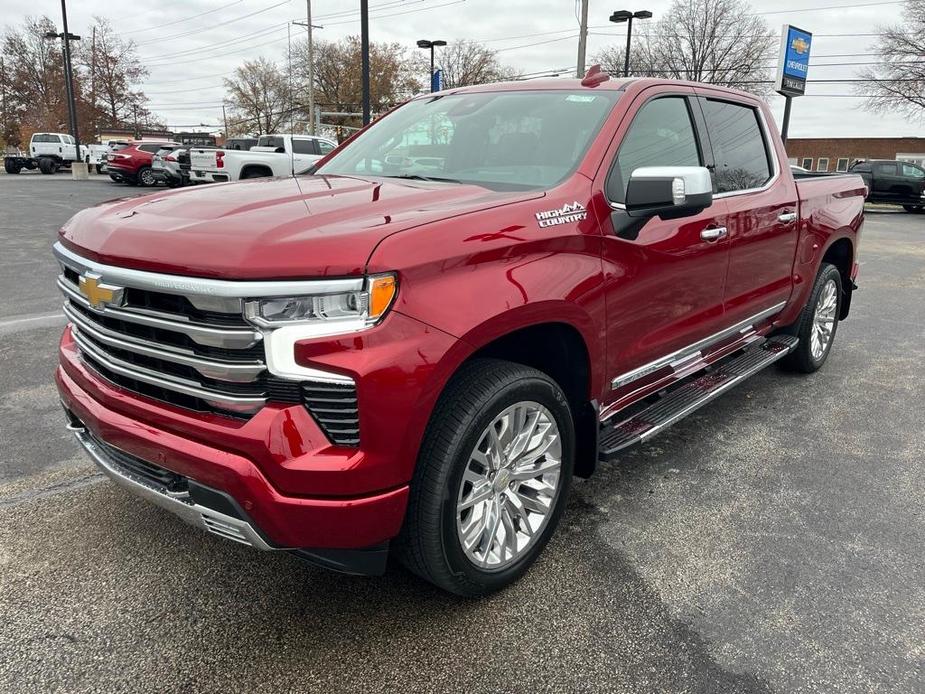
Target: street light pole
425,43
69,76
621,16
364,49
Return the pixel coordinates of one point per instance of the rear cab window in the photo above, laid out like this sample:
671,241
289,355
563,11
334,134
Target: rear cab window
741,152
303,146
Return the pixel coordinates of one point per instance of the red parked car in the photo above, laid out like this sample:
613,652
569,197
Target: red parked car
132,164
414,348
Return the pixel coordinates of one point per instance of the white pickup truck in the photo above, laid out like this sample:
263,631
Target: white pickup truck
274,155
51,151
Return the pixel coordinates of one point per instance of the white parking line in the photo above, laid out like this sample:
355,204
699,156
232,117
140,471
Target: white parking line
46,320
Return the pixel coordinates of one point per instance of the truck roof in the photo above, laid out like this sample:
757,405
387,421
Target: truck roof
574,84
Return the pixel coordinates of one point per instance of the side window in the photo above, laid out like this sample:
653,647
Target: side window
913,171
325,146
887,169
861,168
807,163
739,148
303,146
661,134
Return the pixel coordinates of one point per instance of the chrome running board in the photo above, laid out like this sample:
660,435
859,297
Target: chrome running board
692,395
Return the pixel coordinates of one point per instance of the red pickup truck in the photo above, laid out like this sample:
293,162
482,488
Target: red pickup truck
414,348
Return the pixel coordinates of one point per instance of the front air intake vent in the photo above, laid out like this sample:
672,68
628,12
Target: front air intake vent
334,407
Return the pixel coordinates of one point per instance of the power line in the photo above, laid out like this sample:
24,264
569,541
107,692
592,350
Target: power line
200,49
161,39
185,19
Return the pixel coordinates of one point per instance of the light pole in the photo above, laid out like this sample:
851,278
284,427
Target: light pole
621,16
424,43
66,38
364,58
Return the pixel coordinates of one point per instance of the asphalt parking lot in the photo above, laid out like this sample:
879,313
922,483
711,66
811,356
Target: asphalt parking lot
773,542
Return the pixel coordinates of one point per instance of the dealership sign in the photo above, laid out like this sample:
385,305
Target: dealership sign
793,65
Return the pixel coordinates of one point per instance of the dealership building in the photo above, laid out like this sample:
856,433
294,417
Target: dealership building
837,154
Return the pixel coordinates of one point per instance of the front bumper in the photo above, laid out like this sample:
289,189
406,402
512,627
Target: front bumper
266,518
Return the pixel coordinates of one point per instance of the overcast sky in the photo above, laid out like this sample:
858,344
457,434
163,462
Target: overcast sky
189,45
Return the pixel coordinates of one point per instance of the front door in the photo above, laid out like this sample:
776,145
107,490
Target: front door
664,287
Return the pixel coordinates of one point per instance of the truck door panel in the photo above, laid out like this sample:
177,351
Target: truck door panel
664,289
762,208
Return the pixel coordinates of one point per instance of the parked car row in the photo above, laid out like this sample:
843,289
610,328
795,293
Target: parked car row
148,162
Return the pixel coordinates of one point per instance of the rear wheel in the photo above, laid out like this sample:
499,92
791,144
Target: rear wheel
259,172
492,478
818,322
145,177
914,209
99,168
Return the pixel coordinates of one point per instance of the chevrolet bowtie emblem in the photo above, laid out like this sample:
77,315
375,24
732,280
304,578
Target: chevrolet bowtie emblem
799,45
99,294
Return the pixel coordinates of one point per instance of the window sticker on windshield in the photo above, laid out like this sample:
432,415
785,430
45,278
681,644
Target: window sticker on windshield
563,215
580,98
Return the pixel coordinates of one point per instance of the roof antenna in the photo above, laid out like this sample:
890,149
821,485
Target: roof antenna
594,76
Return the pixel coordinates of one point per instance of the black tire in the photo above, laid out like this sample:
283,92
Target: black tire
11,167
115,179
145,177
99,168
802,359
429,544
914,209
47,166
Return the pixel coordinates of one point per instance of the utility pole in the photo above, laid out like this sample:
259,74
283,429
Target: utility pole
582,39
135,119
364,41
311,64
3,100
93,79
225,121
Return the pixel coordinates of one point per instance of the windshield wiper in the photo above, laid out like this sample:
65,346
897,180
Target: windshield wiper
419,177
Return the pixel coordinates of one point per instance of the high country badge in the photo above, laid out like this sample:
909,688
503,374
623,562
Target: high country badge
564,215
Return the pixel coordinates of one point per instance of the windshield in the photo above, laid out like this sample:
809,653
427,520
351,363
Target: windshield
502,140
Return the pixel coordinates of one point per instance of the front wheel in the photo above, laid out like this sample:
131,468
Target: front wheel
818,322
491,480
47,166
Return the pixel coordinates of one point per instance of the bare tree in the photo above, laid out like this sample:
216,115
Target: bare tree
258,97
338,86
897,83
469,62
112,70
34,80
714,41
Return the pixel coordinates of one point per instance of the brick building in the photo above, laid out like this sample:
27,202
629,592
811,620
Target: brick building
837,153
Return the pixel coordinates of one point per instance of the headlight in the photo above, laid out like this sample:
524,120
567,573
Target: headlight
327,314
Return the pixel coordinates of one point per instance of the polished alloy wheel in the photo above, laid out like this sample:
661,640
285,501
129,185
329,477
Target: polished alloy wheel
509,487
824,320
147,177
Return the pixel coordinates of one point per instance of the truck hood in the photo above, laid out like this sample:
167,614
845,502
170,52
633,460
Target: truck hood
269,228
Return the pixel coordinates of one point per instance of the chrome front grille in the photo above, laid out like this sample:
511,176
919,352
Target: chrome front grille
185,341
181,356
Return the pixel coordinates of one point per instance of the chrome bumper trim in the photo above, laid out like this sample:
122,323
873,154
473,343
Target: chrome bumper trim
234,372
183,506
123,368
228,338
190,287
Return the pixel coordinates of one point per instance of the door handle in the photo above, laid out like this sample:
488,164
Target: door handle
787,217
713,234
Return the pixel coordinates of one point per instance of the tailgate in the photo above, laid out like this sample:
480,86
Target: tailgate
202,160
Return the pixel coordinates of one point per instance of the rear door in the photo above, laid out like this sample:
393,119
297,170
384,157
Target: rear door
762,206
887,182
913,183
304,153
664,288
